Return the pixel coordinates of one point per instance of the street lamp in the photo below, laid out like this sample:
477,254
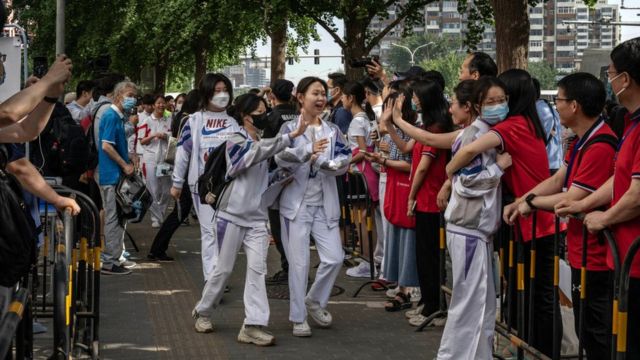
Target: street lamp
413,53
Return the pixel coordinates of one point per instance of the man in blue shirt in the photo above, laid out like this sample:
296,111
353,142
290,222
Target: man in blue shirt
339,115
113,161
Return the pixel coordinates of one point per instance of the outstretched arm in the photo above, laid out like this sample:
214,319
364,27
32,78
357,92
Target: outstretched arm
468,152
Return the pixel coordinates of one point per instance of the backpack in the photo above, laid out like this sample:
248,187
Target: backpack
63,145
17,233
132,198
602,138
214,180
88,126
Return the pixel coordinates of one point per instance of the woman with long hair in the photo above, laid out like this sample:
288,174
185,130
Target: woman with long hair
206,129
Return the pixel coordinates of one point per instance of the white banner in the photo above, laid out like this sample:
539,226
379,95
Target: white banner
10,46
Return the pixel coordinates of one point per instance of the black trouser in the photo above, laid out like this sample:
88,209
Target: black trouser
172,223
543,302
274,223
428,260
633,320
597,316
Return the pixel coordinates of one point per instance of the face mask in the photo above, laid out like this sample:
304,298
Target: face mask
414,107
612,79
329,97
493,114
259,121
220,100
178,107
128,103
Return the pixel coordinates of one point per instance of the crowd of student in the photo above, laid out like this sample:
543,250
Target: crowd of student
490,155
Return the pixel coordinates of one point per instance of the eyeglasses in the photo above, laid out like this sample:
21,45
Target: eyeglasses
556,98
609,73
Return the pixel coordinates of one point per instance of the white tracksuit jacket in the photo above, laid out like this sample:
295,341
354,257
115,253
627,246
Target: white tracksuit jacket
203,132
334,162
476,192
247,165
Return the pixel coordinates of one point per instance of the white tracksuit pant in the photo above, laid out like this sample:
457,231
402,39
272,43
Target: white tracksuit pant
468,334
159,187
255,241
382,224
295,239
208,248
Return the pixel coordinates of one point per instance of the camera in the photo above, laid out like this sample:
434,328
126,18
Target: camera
360,63
39,66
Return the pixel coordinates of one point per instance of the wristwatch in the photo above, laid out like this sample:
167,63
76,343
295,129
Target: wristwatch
529,200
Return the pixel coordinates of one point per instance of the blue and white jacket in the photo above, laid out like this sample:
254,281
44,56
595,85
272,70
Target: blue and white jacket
203,132
334,162
241,202
476,196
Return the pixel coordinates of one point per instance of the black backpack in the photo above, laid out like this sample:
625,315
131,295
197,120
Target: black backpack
17,233
63,145
92,161
214,180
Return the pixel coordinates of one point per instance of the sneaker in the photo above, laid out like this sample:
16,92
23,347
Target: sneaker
363,270
416,295
391,293
160,258
155,224
281,277
321,316
203,323
301,329
128,264
255,334
414,312
126,254
417,320
115,270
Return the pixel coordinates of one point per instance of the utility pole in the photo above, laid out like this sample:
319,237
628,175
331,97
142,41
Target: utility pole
60,27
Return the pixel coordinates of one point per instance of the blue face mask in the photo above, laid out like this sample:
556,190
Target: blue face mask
414,107
128,103
493,114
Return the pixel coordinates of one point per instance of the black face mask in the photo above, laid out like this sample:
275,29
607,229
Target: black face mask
260,121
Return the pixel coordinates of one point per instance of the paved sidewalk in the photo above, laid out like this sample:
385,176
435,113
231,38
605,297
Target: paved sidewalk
147,315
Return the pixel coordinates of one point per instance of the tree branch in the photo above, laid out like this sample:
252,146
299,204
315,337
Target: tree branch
403,15
328,28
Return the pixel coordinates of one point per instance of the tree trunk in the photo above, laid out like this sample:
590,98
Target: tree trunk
161,74
200,54
355,39
278,50
512,33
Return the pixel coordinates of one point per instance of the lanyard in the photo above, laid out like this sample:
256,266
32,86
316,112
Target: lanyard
576,149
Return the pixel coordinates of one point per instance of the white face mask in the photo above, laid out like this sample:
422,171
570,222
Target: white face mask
178,107
220,100
610,80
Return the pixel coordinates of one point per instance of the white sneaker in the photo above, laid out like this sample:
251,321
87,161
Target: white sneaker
203,323
416,295
321,316
361,271
255,334
155,224
417,320
391,293
128,264
413,312
301,329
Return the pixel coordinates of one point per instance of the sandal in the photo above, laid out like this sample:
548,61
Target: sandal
401,302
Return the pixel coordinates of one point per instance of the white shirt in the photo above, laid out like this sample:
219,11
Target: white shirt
78,112
359,126
155,150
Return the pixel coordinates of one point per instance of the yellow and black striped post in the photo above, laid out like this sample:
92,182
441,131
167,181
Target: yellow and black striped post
532,278
583,292
623,304
520,288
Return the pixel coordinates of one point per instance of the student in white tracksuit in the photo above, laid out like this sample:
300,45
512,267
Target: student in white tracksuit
241,220
309,205
154,144
473,217
205,130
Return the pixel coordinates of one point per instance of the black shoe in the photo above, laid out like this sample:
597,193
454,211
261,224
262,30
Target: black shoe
115,270
281,277
160,258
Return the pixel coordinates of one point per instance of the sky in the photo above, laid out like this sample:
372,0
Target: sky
306,67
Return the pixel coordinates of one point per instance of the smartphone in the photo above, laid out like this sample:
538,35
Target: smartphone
39,66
